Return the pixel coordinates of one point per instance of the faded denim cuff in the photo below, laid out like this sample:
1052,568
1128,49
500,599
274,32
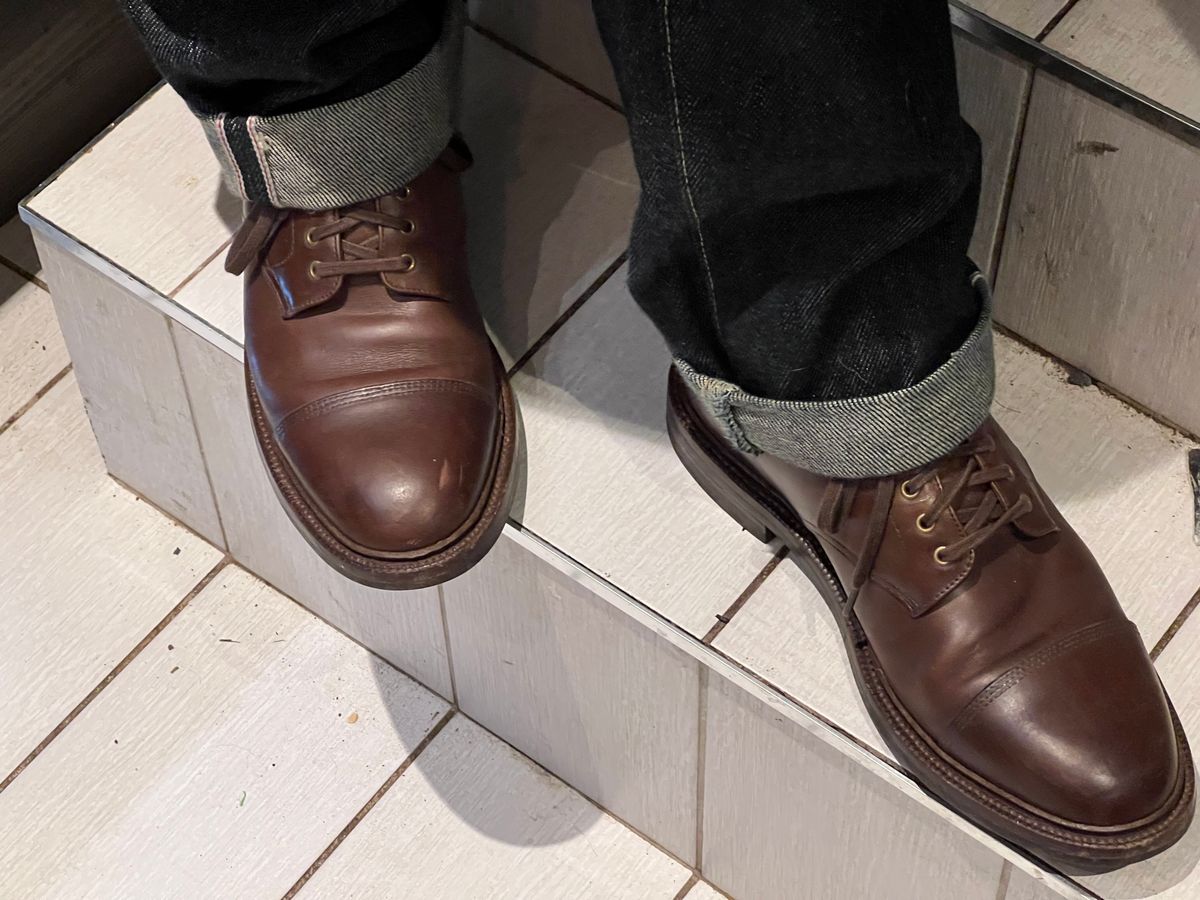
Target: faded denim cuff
865,437
347,152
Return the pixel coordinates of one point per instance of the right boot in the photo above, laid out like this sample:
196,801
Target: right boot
380,406
988,647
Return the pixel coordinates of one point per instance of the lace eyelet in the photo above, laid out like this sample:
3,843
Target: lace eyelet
405,192
408,226
923,524
407,263
939,556
312,270
308,237
907,491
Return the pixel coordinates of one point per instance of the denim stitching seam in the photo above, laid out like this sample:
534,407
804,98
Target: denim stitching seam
683,168
256,141
230,161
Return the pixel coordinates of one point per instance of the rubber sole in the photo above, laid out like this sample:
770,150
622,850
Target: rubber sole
422,571
750,501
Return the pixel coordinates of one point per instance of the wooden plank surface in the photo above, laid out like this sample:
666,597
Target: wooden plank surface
1030,17
31,345
17,249
1151,46
560,33
220,763
88,570
786,634
148,196
551,195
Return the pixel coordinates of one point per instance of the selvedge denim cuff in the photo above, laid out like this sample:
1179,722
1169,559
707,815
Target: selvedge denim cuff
865,437
347,152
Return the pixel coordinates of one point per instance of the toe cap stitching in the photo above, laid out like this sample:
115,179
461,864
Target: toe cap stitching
1031,663
342,399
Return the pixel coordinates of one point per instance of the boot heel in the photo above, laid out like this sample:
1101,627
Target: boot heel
715,481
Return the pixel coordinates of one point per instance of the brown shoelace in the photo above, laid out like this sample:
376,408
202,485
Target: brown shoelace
359,257
979,522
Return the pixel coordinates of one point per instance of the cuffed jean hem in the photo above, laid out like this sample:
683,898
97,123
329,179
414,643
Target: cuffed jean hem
347,152
865,437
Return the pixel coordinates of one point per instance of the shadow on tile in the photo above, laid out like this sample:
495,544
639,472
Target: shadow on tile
480,814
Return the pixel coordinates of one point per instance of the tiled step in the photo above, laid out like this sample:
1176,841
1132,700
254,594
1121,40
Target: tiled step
592,638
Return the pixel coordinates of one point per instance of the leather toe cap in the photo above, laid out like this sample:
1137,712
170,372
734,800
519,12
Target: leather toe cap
1079,730
397,475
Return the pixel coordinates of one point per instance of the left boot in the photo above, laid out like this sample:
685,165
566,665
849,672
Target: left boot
380,406
987,644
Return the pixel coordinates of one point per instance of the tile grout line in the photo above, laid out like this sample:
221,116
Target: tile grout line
449,653
324,621
750,674
1176,624
557,324
624,823
1010,178
19,270
117,670
687,886
820,717
726,617
187,397
1055,20
453,712
1102,386
32,401
167,514
1005,877
200,268
544,66
370,804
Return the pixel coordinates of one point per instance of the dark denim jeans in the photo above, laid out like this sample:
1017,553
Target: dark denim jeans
808,187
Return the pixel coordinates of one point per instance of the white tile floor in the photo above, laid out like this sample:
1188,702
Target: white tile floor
176,728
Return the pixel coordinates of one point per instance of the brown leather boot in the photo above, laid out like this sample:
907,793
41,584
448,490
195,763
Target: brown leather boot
986,642
380,406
